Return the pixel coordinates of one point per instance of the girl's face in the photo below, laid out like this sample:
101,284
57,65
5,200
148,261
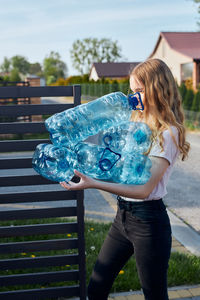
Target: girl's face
137,86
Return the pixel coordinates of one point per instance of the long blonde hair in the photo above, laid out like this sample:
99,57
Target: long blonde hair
161,94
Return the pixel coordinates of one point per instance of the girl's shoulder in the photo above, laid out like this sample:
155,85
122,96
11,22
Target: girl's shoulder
170,145
169,134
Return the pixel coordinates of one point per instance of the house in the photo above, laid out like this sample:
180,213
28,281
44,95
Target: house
181,52
111,70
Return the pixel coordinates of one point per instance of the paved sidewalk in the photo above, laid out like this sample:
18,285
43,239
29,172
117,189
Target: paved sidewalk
181,293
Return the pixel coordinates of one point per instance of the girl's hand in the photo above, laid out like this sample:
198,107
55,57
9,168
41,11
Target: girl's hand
85,183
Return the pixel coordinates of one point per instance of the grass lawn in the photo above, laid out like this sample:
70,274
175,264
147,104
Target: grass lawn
183,269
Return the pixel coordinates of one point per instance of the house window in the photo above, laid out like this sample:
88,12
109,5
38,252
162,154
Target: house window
186,71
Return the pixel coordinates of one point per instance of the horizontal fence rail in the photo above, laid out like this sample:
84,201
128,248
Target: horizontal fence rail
37,127
33,109
38,213
52,234
35,196
21,145
25,230
48,293
36,246
22,180
50,91
36,262
40,278
15,163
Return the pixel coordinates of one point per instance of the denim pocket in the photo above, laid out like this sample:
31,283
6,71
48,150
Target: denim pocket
149,215
142,216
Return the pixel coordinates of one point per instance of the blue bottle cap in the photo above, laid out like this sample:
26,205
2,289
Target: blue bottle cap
135,100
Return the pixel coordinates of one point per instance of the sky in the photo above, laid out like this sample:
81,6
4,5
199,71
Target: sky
35,28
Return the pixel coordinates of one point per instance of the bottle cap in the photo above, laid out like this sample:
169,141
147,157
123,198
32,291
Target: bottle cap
135,101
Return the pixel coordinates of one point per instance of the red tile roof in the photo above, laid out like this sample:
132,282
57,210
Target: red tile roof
114,69
187,43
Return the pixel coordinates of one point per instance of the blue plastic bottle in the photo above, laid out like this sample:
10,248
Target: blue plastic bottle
106,164
130,137
54,163
58,163
118,158
76,124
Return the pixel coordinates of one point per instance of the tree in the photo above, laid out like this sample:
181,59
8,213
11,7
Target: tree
21,64
54,67
196,102
5,66
198,7
35,68
14,75
87,51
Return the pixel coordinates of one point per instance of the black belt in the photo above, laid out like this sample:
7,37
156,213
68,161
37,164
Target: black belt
130,205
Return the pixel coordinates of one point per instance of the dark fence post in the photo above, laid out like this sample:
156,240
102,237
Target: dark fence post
81,243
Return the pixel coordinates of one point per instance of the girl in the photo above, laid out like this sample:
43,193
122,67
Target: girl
141,226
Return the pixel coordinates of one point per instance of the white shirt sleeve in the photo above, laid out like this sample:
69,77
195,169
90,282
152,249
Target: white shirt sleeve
170,149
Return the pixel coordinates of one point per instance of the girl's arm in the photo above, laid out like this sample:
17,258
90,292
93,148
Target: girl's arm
159,166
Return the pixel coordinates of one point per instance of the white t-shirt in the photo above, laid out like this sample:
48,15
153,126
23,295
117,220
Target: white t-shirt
170,153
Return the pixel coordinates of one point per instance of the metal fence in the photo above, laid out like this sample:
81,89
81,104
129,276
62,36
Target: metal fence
13,162
14,101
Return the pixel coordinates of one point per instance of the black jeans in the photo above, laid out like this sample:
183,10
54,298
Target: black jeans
142,229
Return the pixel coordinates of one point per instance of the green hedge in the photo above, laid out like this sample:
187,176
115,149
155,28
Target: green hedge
191,100
100,89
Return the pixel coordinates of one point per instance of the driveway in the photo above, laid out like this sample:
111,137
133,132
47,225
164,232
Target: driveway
183,196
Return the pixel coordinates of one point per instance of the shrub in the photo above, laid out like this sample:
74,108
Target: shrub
188,99
182,90
189,84
196,102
